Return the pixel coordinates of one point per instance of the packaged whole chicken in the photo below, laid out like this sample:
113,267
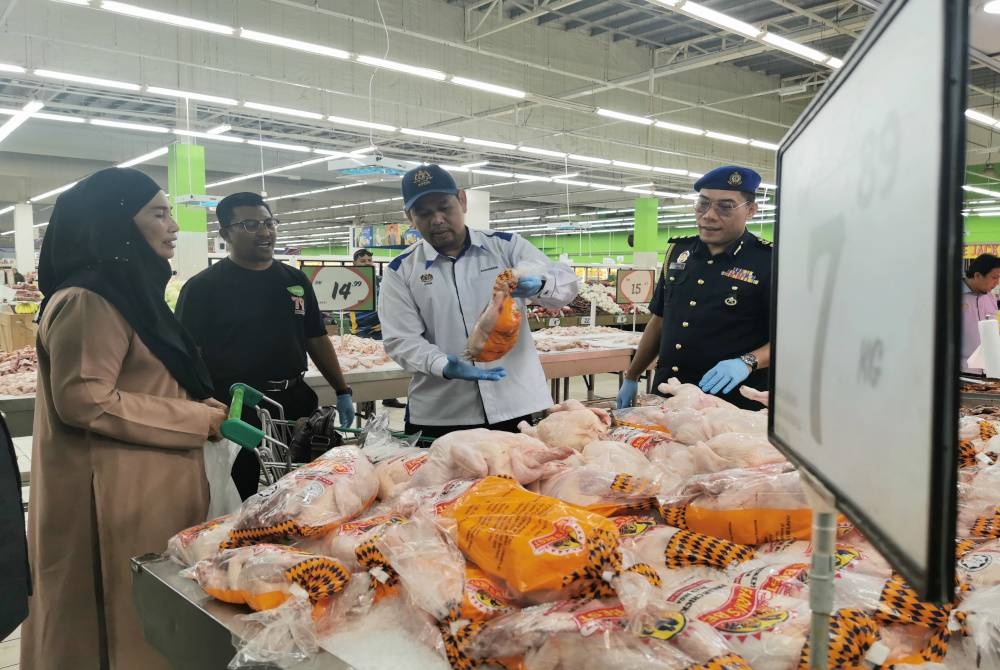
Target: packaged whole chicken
571,425
478,453
750,506
908,645
603,491
727,451
616,457
496,331
395,460
665,547
538,545
312,500
342,542
484,597
979,565
689,396
261,576
200,542
640,439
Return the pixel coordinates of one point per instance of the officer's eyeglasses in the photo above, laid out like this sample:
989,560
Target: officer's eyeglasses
722,207
254,226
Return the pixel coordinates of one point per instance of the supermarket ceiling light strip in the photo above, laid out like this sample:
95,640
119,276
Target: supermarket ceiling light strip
218,137
49,194
297,45
188,95
144,158
341,120
85,79
284,168
19,117
164,17
287,111
128,125
16,69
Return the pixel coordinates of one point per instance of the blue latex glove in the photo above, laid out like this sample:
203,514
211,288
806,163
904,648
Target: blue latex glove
627,393
724,377
456,369
345,408
527,287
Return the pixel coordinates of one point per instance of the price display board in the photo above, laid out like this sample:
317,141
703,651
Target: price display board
865,390
350,288
635,286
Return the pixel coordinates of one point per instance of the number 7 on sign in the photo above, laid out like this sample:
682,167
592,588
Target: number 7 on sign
825,241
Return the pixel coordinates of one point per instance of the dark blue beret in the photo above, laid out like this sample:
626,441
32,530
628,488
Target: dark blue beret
729,178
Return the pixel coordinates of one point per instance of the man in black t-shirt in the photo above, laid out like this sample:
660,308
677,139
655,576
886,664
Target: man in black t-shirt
255,321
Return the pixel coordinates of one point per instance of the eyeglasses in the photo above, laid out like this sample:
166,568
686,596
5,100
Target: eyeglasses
722,207
253,226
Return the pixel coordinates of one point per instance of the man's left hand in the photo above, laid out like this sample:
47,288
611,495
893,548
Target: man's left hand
345,408
528,287
724,377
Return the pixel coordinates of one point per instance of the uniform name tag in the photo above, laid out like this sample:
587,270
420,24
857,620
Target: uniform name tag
740,274
677,266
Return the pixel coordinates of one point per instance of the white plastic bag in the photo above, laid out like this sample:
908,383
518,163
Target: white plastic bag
223,497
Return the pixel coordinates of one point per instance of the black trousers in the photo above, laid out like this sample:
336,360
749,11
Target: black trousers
298,401
437,431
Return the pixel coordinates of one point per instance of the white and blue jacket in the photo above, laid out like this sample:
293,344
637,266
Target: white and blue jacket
429,304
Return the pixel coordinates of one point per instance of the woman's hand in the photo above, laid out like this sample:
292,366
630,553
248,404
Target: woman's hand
212,402
218,414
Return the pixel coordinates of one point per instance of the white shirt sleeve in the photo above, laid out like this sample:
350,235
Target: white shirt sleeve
561,283
403,329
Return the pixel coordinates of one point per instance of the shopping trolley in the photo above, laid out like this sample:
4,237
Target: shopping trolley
270,443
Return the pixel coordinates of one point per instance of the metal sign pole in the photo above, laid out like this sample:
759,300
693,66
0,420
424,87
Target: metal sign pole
821,571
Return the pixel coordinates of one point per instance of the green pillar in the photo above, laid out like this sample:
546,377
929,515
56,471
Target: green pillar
646,239
186,176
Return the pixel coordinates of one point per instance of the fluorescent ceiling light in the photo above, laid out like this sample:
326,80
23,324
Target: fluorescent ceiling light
468,166
280,145
835,63
791,46
361,124
143,158
363,150
679,128
720,19
127,125
330,152
17,69
173,93
727,138
590,159
570,182
163,17
494,173
605,187
530,177
219,129
209,136
764,145
666,194
22,115
621,116
982,191
83,79
430,134
979,117
663,170
81,3
288,111
485,86
55,191
298,45
403,67
489,143
48,117
6,210
541,152
667,3
992,7
631,166
453,168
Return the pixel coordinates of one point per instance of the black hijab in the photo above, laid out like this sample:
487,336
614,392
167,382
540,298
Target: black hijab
92,242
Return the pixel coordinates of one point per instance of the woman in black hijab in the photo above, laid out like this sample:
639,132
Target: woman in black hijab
122,414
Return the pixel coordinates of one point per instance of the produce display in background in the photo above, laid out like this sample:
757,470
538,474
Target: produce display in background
18,371
27,292
357,353
593,292
173,291
670,535
567,338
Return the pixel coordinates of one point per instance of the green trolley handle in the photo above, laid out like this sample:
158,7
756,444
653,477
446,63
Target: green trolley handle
234,428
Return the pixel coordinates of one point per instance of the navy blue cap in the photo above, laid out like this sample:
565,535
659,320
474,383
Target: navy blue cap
425,179
729,178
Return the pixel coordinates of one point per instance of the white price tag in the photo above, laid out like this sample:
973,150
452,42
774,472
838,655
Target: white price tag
554,322
635,286
348,288
621,318
585,321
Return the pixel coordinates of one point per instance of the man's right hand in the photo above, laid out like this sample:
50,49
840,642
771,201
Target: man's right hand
456,369
627,393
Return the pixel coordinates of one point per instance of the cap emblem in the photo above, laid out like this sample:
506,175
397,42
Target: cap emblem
422,178
735,179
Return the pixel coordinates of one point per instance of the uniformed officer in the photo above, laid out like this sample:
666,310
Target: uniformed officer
711,311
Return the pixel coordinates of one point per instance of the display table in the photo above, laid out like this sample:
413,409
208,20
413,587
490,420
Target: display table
195,632
561,366
368,385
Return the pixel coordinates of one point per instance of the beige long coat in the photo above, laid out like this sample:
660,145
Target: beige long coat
116,469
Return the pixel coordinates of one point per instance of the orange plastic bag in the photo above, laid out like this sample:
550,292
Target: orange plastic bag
497,328
533,542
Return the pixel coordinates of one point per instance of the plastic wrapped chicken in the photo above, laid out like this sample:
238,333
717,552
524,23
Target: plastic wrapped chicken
665,548
727,451
395,461
262,576
495,332
603,491
538,545
689,396
199,542
342,542
312,500
570,424
751,506
478,453
979,566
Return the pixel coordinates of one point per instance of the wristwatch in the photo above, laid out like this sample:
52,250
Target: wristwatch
347,391
750,360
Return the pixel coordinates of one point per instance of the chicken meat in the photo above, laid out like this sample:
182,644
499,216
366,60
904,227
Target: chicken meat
571,425
497,328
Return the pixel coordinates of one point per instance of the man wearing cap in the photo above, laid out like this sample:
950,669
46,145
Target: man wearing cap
711,311
432,295
255,321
